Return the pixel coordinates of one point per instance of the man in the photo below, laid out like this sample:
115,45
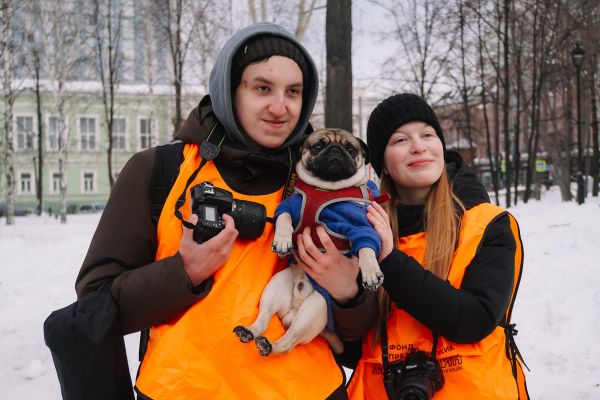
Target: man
191,295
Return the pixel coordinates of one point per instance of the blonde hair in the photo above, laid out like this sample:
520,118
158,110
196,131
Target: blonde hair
441,220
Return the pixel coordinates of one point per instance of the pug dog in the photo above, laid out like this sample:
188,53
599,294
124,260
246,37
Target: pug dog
332,191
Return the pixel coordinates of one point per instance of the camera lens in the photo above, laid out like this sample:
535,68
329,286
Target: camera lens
416,388
249,218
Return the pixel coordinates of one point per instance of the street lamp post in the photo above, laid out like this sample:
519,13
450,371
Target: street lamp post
577,55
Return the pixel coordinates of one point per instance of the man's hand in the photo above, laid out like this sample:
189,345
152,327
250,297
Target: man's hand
332,270
201,261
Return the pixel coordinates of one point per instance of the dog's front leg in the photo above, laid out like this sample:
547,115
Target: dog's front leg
282,241
369,268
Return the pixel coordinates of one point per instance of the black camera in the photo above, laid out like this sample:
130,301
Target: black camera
209,203
418,377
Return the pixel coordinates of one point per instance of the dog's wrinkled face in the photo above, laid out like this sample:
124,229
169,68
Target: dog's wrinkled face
332,154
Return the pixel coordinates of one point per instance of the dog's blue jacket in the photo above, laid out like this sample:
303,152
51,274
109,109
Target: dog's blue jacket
347,218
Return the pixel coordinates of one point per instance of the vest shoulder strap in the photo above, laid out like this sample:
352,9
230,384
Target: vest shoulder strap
165,170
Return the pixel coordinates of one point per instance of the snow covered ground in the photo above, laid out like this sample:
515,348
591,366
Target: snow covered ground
557,311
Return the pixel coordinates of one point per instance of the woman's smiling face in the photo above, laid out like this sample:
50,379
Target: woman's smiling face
414,159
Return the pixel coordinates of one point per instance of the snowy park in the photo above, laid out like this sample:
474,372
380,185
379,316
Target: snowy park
557,311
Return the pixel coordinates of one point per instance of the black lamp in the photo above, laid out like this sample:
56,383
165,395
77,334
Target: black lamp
577,55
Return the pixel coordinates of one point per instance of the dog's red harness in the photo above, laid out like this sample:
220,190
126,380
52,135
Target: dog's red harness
314,200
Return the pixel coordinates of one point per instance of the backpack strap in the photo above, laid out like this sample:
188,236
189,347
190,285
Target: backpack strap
167,160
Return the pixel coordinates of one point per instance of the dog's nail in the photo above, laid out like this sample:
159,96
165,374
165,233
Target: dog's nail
263,346
243,333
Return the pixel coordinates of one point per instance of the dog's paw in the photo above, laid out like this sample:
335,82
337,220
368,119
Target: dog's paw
370,271
243,333
282,244
373,284
280,253
282,240
372,277
263,345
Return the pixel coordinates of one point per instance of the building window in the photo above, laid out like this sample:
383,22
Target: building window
25,183
53,133
146,133
119,134
87,133
88,183
55,182
24,133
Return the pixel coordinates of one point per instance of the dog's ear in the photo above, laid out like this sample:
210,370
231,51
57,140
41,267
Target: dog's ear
365,150
300,146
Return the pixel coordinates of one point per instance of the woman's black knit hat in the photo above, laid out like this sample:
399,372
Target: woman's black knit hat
262,47
390,114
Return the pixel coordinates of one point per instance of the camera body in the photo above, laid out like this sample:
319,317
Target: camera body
418,377
209,203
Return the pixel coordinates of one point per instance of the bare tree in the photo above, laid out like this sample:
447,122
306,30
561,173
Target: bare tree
67,49
462,84
588,23
207,45
559,140
595,166
304,15
493,162
263,11
417,25
502,164
170,17
547,39
506,110
338,99
35,51
283,12
9,94
518,36
179,21
150,62
108,20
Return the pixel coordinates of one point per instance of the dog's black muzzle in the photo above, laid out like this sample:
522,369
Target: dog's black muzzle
332,164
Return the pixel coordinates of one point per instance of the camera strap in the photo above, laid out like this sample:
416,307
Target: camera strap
209,150
388,374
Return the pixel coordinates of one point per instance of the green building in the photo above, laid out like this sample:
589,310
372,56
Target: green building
139,123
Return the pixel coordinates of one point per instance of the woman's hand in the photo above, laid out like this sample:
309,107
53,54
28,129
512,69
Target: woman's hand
333,271
200,261
381,222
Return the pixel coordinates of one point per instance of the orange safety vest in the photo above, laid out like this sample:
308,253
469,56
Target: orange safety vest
196,355
482,370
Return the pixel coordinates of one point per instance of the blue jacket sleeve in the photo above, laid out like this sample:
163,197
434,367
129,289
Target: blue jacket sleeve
349,219
292,206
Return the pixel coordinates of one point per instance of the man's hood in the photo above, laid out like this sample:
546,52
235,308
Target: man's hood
244,170
198,123
220,83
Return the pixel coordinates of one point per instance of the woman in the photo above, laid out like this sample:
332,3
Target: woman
451,264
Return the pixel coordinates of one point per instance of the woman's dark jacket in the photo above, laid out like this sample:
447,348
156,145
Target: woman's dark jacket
471,312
